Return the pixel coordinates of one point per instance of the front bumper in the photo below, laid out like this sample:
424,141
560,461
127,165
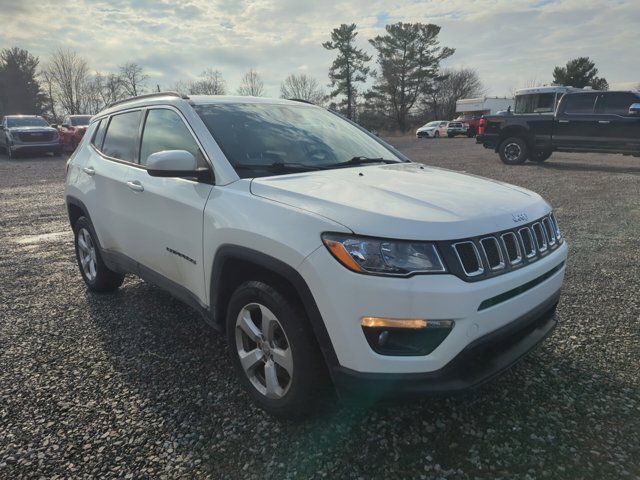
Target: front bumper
479,362
425,134
37,146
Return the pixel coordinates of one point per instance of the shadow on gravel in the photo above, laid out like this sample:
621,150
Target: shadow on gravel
589,167
548,409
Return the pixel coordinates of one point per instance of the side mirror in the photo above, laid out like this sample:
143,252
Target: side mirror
176,164
634,109
65,125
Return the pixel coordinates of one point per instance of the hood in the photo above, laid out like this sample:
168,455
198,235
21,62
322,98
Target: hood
32,129
426,128
407,201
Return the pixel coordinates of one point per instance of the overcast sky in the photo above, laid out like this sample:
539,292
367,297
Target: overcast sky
510,43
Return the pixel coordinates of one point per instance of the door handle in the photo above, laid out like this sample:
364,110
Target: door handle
604,121
89,171
135,185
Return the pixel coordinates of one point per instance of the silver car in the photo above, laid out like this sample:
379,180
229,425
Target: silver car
28,133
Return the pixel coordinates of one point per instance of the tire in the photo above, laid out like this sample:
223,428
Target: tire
57,153
284,349
11,155
513,151
96,275
450,136
539,156
436,135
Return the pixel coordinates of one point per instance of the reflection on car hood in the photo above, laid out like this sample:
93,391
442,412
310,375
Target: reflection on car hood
408,200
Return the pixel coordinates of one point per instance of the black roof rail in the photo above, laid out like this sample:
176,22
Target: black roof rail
150,95
300,100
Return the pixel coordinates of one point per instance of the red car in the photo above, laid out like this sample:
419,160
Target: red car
72,130
473,121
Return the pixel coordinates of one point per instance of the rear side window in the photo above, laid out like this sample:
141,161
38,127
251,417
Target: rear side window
579,103
165,130
98,137
616,103
122,135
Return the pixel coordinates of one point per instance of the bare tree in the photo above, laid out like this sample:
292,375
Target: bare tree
210,83
67,75
105,89
134,80
303,87
449,87
251,84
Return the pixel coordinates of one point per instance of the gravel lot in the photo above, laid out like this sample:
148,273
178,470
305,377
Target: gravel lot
134,385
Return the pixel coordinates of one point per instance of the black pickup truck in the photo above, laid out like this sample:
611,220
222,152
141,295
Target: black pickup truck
585,121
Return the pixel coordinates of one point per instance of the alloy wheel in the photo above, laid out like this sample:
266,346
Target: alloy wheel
87,254
264,350
512,152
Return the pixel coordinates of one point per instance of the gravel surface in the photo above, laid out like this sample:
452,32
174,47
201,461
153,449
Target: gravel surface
133,385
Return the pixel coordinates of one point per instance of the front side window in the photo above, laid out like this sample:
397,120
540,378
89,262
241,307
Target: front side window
616,103
579,103
257,138
26,122
122,135
165,130
80,121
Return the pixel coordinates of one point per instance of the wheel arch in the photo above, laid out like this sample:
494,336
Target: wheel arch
515,131
76,209
234,265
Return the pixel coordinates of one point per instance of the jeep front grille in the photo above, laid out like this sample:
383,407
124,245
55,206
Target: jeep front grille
476,258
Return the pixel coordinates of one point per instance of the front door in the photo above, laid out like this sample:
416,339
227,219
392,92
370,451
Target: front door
576,124
618,130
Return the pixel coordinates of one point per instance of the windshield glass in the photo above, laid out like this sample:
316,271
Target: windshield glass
26,122
432,124
80,121
255,137
535,103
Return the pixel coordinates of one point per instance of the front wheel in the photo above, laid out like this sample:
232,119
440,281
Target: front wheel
274,351
539,156
513,151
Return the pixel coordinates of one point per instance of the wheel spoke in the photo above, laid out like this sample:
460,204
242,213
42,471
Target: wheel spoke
250,359
248,327
81,243
271,379
92,268
283,358
268,319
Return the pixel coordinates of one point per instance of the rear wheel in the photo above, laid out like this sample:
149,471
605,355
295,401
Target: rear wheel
513,151
436,135
97,276
274,351
539,156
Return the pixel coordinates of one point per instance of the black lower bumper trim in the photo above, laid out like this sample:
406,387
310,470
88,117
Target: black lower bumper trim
478,363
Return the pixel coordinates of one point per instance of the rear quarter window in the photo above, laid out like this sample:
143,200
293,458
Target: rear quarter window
121,139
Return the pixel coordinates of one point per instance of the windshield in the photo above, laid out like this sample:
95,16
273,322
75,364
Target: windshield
26,122
80,121
432,124
535,103
258,137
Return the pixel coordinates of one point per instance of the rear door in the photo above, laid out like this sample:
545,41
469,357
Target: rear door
617,130
576,124
166,214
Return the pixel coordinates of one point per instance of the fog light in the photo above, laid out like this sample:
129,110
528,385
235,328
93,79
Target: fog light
405,336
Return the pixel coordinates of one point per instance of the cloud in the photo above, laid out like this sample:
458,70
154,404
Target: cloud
509,43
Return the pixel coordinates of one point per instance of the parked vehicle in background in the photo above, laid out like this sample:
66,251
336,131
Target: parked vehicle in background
72,129
322,252
28,134
457,128
434,129
584,121
470,110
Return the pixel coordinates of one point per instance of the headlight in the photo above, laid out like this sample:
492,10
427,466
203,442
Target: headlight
380,256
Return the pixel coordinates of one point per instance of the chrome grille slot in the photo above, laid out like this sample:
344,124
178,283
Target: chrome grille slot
492,253
541,239
527,242
549,231
469,258
512,247
554,223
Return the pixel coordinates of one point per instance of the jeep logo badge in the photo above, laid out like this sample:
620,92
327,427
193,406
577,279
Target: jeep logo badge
519,217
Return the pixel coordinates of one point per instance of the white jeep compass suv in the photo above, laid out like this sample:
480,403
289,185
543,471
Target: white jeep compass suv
327,257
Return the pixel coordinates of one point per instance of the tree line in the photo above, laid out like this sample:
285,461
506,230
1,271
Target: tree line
402,86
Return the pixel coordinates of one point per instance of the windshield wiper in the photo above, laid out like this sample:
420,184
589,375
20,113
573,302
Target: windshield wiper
360,161
277,166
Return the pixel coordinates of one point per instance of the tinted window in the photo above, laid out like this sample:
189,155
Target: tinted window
255,137
535,103
26,122
165,130
80,121
122,134
616,103
98,137
579,103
